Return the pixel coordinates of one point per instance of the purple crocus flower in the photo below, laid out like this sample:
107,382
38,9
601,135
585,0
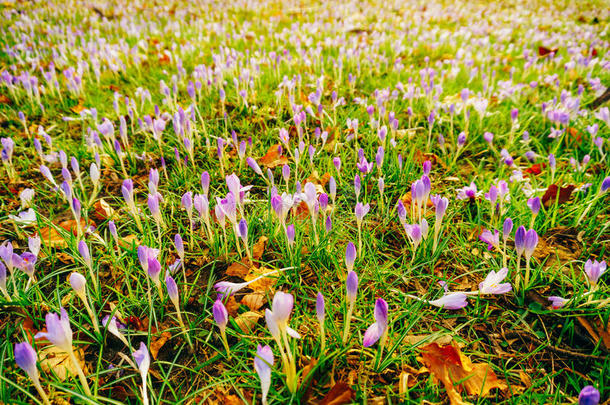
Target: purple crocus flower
221,316
320,313
351,285
520,240
594,270
451,300
58,331
262,364
361,210
350,256
507,228
493,283
589,395
380,327
468,192
557,302
534,204
83,249
492,239
531,241
290,234
25,357
179,246
142,358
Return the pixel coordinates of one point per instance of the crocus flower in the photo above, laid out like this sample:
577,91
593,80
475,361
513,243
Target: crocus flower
78,283
351,288
154,272
243,233
492,239
25,357
594,270
589,395
520,242
468,192
379,329
350,256
557,302
112,325
290,234
221,317
360,210
451,300
262,364
59,334
320,314
493,283
142,358
3,282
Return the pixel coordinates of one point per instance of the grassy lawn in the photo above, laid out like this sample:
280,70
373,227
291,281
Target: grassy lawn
304,202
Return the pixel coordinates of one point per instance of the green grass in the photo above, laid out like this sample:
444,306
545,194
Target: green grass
544,355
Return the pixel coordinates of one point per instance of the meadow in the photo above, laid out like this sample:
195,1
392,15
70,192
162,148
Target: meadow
315,202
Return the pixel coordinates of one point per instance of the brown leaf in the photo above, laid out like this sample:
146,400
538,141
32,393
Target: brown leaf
273,157
247,321
79,107
597,331
4,99
239,269
129,241
52,238
550,195
158,343
259,248
103,210
448,365
53,359
416,339
340,393
305,378
254,301
262,285
543,50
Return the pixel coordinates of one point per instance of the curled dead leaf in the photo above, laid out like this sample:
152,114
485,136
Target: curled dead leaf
457,373
158,343
254,301
259,248
54,360
247,321
52,238
340,393
273,157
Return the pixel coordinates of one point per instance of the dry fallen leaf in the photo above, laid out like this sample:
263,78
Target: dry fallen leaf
449,366
254,301
597,331
53,359
247,321
550,195
239,269
103,210
340,393
273,158
52,238
129,241
262,285
158,343
259,248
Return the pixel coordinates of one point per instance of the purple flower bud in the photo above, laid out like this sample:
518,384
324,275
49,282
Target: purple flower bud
605,184
172,288
154,268
337,163
357,185
320,313
427,166
489,137
531,241
205,182
350,256
376,330
514,113
361,210
179,246
534,204
187,201
461,141
594,270
282,307
25,357
589,395
520,240
243,230
58,331
351,285
78,282
552,162
290,234
113,230
83,249
286,172
507,228
254,166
